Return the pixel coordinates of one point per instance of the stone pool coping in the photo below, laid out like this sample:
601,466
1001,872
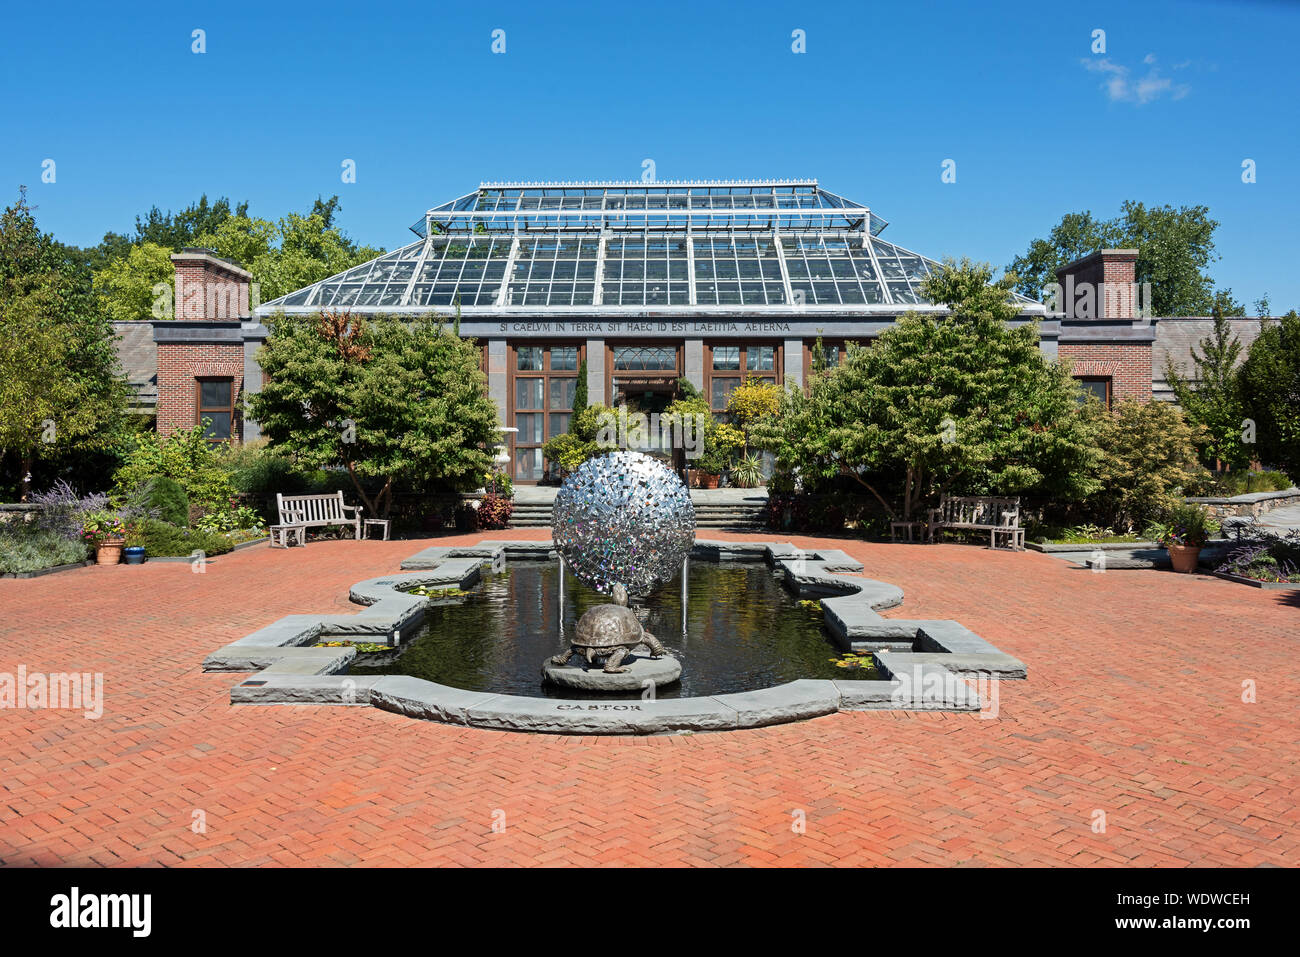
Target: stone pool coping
925,662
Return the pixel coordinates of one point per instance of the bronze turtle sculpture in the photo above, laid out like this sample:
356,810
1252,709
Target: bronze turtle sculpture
609,632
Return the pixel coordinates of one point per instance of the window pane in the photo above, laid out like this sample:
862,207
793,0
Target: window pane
562,392
639,358
220,427
560,423
726,358
528,393
529,425
528,358
564,358
760,358
528,465
721,391
215,395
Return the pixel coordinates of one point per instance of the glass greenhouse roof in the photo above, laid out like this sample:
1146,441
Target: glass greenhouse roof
758,246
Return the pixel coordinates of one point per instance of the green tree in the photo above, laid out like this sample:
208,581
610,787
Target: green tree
580,391
1211,395
126,286
1270,387
1175,246
60,391
390,400
295,252
175,231
963,403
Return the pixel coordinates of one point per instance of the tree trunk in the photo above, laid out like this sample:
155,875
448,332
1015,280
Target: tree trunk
889,511
365,499
26,467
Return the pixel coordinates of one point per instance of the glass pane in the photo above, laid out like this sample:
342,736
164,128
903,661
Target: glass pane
564,358
720,391
726,358
528,358
639,358
560,423
220,427
760,358
528,393
214,395
562,391
528,465
529,425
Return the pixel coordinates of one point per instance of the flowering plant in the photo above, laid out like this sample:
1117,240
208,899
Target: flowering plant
100,527
1184,525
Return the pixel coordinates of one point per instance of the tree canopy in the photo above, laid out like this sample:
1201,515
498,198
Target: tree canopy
964,403
390,400
283,255
60,390
1270,387
1175,246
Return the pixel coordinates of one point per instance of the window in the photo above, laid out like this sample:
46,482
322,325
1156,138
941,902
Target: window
645,359
729,366
1095,385
545,380
216,402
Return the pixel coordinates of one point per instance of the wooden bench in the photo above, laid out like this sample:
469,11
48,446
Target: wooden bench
997,516
317,511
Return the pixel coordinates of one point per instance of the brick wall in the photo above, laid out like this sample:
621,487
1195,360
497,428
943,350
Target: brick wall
179,365
1127,364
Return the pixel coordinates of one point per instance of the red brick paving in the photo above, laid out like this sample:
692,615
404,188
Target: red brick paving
1133,708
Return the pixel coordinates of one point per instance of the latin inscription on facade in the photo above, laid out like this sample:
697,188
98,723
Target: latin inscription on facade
623,328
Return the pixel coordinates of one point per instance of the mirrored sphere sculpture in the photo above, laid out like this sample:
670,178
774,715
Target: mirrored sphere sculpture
623,518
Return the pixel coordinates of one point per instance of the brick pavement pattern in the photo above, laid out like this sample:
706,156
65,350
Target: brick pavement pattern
1133,708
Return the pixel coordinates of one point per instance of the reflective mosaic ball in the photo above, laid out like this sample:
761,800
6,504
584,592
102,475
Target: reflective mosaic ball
623,518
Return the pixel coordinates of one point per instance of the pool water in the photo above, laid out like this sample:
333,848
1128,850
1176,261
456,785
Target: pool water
744,631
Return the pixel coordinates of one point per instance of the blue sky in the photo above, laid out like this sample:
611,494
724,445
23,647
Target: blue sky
1036,122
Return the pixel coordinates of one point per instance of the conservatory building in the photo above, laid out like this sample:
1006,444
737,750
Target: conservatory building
713,281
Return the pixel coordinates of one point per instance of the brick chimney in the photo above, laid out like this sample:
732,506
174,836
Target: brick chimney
1101,285
209,287
1104,335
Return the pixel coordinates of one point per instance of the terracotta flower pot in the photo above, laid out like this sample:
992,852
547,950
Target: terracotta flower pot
109,552
1184,557
710,481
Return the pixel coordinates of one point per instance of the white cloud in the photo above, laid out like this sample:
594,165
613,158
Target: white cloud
1122,87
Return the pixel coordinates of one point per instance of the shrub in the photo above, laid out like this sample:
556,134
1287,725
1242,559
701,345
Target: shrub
184,455
163,540
1148,461
567,451
255,469
498,483
25,547
494,511
168,499
63,512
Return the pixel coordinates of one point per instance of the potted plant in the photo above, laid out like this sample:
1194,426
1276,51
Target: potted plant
104,532
748,472
709,467
1184,532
